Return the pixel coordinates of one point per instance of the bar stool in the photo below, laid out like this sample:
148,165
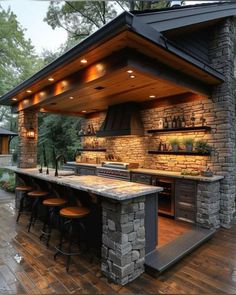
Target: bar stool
36,196
71,215
53,205
23,189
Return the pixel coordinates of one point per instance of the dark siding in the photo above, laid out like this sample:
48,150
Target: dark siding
195,43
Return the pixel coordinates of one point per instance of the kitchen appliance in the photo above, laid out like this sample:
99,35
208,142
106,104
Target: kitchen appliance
117,170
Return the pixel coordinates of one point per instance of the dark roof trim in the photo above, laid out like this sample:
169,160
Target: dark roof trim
7,132
123,21
168,19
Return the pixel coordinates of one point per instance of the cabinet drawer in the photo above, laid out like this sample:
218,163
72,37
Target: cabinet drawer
186,214
141,178
185,191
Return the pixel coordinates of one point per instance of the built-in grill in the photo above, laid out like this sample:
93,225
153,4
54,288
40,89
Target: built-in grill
118,170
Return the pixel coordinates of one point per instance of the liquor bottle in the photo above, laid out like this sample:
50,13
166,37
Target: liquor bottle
89,130
165,123
92,130
193,119
183,122
160,124
170,123
174,123
178,122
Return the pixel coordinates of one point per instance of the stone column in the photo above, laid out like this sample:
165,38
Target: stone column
27,147
123,239
221,52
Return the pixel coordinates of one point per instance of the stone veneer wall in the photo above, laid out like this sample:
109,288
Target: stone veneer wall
123,249
27,148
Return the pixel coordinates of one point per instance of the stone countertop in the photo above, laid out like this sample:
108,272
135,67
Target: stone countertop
110,188
177,175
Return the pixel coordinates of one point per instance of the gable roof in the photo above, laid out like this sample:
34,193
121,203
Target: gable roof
182,16
146,24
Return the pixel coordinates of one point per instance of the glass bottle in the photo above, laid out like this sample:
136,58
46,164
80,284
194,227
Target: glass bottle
170,123
183,122
89,130
174,123
178,122
160,124
165,123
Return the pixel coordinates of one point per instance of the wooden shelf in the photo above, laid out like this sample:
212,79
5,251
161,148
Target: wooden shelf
91,150
178,153
87,135
186,129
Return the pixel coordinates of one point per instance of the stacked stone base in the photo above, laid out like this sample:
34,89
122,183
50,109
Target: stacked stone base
123,249
208,204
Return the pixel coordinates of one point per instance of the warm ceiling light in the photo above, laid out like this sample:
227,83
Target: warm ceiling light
51,79
14,99
71,97
83,61
132,76
42,109
152,96
130,71
29,91
84,111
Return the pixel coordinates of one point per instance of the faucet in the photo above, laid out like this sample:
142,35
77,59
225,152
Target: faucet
58,158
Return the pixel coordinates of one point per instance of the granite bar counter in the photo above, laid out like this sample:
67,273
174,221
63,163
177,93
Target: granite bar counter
129,219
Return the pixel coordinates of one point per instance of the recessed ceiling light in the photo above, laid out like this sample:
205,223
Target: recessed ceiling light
84,111
14,99
51,79
42,109
152,96
71,97
29,91
130,71
132,76
83,61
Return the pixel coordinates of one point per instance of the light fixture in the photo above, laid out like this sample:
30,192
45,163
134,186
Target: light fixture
30,133
84,111
132,76
14,99
83,61
71,97
152,96
130,71
29,91
51,79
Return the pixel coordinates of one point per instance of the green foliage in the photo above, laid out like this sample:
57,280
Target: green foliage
174,141
57,133
7,180
203,147
188,141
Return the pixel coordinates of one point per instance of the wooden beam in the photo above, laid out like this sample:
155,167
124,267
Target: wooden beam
154,68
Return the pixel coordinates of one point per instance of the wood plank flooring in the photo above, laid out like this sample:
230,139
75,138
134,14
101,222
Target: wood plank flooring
27,267
169,229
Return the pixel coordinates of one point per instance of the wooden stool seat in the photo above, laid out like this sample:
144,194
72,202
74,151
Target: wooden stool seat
37,194
24,188
74,212
55,202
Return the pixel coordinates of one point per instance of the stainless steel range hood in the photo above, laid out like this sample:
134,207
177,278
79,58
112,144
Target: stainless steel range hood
122,119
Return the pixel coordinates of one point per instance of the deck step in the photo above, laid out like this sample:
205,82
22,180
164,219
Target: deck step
162,258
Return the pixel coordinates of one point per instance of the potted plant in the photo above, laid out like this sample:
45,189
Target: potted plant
203,147
188,142
174,141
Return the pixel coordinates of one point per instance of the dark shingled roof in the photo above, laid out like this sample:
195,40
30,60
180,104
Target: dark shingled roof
7,132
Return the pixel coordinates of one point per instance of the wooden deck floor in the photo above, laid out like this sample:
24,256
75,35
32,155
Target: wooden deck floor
27,267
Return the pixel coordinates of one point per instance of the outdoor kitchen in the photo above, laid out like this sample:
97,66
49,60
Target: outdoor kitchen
155,169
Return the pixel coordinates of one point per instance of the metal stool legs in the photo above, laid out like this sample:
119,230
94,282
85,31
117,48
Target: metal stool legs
34,213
